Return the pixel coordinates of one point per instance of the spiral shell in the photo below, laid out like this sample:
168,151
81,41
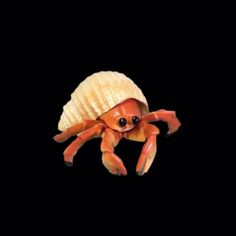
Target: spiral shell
97,94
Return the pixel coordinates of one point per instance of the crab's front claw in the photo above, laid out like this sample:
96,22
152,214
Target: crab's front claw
173,124
113,163
147,155
166,116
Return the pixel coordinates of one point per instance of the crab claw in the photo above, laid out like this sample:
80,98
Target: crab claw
147,155
113,164
173,125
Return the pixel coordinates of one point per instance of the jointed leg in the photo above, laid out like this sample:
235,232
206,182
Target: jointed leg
166,116
149,149
74,130
146,132
147,155
83,137
110,160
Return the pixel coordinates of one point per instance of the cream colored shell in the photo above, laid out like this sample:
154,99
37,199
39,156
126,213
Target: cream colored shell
96,95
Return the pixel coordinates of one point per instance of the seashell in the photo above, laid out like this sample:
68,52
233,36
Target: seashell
97,94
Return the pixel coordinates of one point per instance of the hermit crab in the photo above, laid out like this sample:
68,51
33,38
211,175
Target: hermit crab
109,105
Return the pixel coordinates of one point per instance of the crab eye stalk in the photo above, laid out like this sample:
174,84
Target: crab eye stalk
122,122
135,120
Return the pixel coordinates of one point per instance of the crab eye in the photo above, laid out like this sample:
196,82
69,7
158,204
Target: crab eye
135,120
122,122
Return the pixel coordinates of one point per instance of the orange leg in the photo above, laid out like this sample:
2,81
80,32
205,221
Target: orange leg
83,137
147,155
110,160
166,116
149,149
74,130
144,132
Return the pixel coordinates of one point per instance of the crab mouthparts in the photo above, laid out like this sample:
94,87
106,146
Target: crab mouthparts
127,128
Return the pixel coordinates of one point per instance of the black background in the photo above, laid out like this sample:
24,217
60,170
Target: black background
167,53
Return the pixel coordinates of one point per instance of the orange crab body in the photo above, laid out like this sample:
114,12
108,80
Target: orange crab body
128,119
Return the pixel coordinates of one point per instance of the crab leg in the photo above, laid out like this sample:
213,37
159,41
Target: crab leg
166,116
74,130
111,161
83,137
149,149
147,155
